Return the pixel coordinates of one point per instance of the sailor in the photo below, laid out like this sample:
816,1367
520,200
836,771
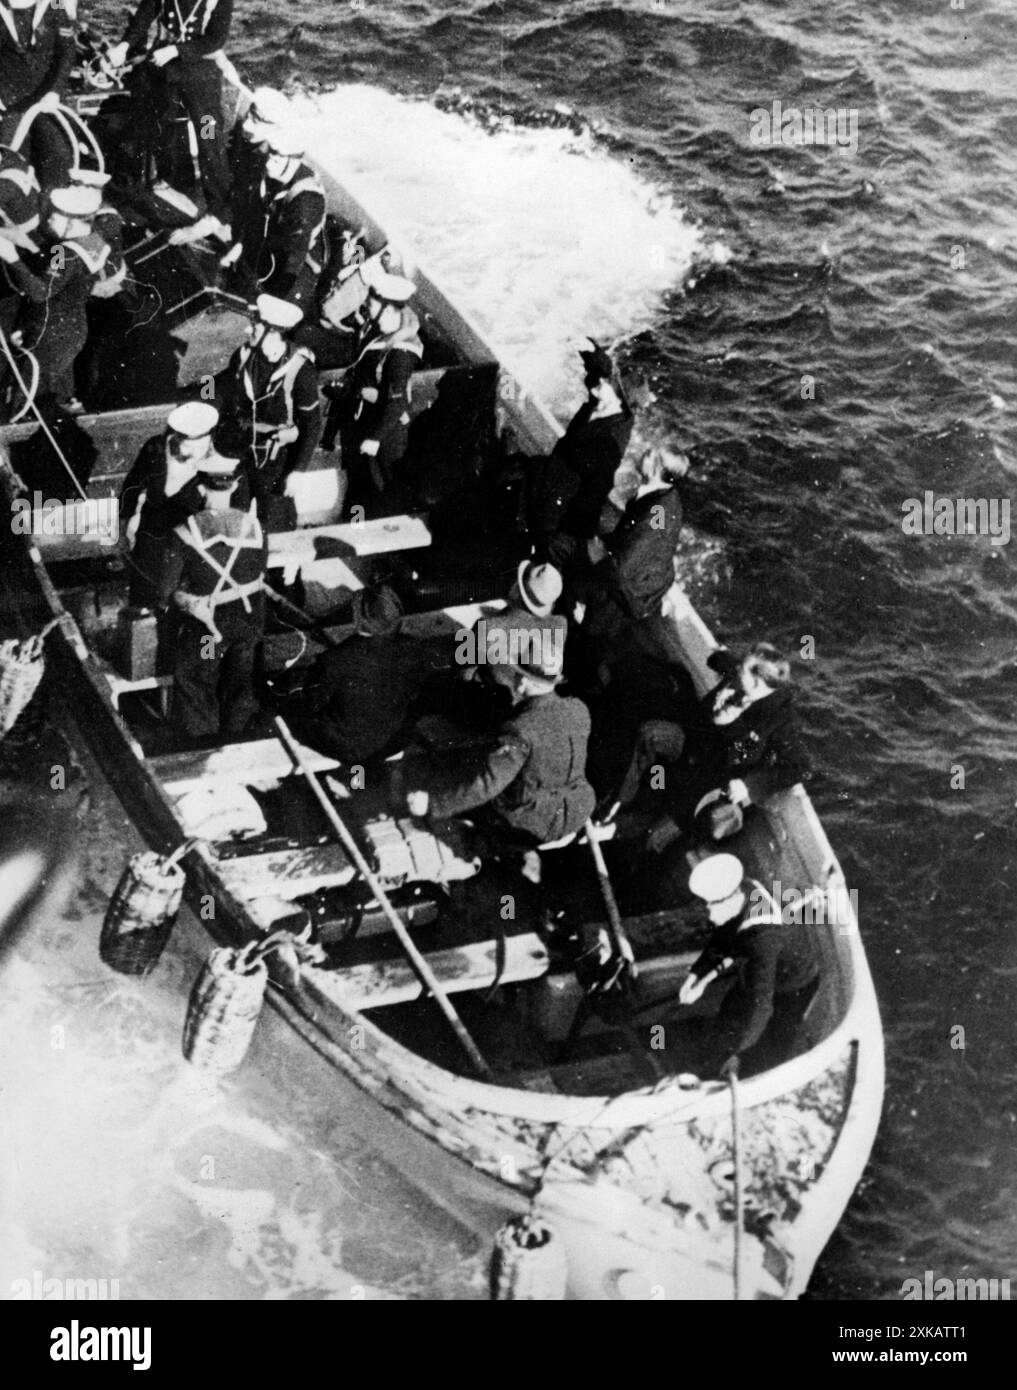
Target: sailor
374,418
248,154
214,574
57,288
191,36
36,57
281,241
270,391
333,328
267,108
161,491
773,962
526,782
108,225
107,222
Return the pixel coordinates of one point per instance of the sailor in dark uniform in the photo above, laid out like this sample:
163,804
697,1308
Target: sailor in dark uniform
373,415
335,319
247,156
280,243
57,286
214,575
107,222
270,392
774,963
161,491
36,57
191,38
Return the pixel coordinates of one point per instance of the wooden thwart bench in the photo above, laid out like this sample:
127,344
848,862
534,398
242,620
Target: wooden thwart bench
261,762
377,984
372,537
123,685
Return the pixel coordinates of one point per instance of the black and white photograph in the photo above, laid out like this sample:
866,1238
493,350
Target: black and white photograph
508,661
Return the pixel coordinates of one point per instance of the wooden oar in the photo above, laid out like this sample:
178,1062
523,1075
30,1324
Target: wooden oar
616,928
420,966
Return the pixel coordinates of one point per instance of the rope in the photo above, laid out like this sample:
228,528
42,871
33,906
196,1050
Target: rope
144,285
183,848
29,393
21,670
30,398
32,646
301,633
63,116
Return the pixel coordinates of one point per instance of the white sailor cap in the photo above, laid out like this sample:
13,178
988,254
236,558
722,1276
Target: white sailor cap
77,201
193,419
218,465
88,178
284,140
278,313
395,288
717,878
268,107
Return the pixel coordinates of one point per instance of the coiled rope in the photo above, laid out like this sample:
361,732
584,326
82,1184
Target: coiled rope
29,392
67,119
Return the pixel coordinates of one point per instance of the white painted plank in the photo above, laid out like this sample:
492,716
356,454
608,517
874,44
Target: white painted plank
262,762
372,537
465,967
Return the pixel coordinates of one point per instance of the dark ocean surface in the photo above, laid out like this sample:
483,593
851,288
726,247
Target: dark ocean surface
829,332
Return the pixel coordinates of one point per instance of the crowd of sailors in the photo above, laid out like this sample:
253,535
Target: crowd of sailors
492,739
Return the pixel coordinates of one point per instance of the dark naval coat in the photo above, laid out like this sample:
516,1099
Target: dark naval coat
145,487
199,30
36,56
359,695
762,747
773,962
592,449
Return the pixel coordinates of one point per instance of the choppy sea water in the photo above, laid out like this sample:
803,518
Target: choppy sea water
829,332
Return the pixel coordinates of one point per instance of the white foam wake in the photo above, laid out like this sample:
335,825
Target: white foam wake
538,235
